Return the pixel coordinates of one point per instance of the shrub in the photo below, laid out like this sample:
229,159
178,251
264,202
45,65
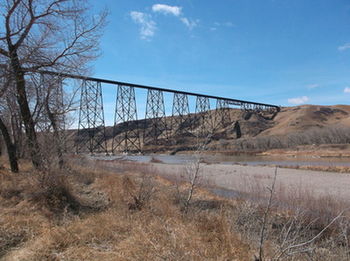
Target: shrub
55,192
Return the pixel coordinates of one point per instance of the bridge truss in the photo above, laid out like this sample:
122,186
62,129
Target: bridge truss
127,135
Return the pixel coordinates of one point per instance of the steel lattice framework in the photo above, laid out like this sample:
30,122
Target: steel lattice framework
91,129
203,116
222,115
91,135
126,134
155,118
180,112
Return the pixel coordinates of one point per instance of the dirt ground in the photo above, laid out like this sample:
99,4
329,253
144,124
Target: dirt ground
252,178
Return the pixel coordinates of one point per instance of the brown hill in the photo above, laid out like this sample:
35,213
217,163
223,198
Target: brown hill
292,126
302,118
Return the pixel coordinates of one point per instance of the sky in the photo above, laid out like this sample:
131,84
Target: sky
283,52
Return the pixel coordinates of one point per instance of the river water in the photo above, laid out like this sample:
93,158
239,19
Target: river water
222,159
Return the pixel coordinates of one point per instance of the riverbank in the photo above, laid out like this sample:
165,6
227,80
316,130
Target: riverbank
244,178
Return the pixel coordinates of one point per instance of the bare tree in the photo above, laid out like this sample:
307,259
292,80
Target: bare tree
193,172
10,144
56,35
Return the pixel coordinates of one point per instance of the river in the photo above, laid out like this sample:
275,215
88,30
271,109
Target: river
230,160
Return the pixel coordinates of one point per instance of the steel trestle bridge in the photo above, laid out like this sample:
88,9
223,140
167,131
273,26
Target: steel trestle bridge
157,129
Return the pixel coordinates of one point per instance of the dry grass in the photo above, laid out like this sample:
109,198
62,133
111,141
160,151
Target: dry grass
134,216
31,229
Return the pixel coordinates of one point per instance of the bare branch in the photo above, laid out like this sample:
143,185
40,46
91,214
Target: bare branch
3,52
265,218
7,21
312,239
33,19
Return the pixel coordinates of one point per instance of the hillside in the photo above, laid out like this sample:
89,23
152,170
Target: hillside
301,118
291,127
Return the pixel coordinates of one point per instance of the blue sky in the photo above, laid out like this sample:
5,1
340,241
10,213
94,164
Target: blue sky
284,52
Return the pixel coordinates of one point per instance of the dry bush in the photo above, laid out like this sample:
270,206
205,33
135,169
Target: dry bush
299,226
19,219
317,209
86,177
55,192
139,193
50,190
291,235
292,198
10,185
327,135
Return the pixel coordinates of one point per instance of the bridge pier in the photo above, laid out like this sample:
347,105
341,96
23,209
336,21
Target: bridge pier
222,114
126,133
180,113
155,118
204,116
91,129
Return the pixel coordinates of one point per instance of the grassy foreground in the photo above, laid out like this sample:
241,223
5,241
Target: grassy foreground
85,214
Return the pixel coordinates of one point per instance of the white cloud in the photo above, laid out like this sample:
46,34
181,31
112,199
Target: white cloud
189,23
344,47
148,26
298,100
167,9
347,90
313,86
177,12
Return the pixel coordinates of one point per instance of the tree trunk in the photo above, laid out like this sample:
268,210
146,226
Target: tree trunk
56,135
25,111
16,128
11,148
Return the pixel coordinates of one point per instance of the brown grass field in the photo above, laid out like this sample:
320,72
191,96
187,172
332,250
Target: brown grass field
91,214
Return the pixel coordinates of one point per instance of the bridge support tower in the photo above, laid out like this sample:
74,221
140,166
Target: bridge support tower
91,129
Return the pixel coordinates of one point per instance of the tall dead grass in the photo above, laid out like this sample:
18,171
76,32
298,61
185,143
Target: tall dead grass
111,224
154,230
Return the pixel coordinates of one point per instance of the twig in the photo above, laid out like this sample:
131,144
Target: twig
311,240
265,218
